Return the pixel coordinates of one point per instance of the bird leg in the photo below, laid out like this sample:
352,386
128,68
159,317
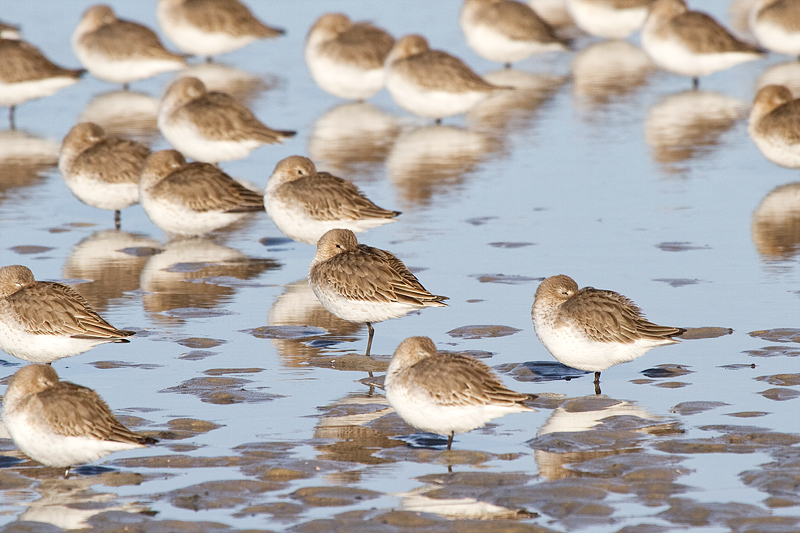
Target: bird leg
66,472
117,219
450,440
371,333
597,382
11,109
695,83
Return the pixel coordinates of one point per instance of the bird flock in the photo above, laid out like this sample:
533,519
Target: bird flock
62,424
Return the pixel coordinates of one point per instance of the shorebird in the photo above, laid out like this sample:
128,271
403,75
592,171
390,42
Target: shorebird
211,27
775,124
432,83
362,284
776,25
120,51
102,171
507,31
591,329
43,321
611,19
211,126
446,393
26,74
346,58
192,199
691,43
59,423
305,204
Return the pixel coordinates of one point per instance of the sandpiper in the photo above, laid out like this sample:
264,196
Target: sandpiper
211,27
346,58
691,43
446,393
305,204
773,125
59,423
776,25
507,31
364,285
43,321
25,74
611,19
432,83
102,171
591,329
192,199
211,126
120,51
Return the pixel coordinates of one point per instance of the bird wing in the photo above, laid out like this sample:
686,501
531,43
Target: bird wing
361,44
122,39
203,187
219,117
76,411
607,316
48,308
328,197
443,72
520,22
703,34
226,16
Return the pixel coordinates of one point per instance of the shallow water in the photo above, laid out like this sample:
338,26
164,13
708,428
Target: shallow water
601,168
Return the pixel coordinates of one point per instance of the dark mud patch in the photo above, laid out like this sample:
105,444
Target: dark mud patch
536,371
106,365
780,395
197,355
275,241
511,245
687,512
748,414
220,494
480,221
667,371
774,351
482,332
692,408
141,251
681,246
780,479
221,390
224,371
505,279
201,343
778,334
783,380
332,496
738,366
679,282
30,249
707,332
186,428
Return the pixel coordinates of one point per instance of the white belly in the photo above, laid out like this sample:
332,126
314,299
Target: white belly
14,340
672,55
194,41
123,70
361,312
605,21
102,195
185,138
776,38
16,93
427,103
180,220
344,80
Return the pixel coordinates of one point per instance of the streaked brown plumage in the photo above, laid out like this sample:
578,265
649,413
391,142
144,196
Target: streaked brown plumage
21,61
363,284
228,16
44,414
446,393
49,308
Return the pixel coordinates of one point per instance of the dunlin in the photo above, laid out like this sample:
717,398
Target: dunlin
446,393
691,43
192,199
305,204
102,171
364,285
432,83
774,125
211,27
59,423
120,51
25,74
211,126
612,19
42,321
776,25
506,30
346,58
591,329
